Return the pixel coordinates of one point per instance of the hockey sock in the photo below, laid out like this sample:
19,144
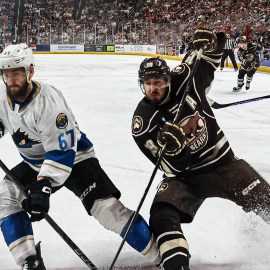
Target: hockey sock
249,79
141,239
173,247
240,82
18,234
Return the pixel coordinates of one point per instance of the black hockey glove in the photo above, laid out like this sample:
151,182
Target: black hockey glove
266,56
38,201
175,138
247,64
206,39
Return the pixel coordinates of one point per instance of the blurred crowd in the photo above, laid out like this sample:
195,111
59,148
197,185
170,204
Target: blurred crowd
6,19
125,21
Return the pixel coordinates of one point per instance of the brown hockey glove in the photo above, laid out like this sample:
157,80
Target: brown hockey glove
206,39
175,138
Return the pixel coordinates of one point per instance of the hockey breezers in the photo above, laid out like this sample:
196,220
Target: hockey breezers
64,236
162,152
216,105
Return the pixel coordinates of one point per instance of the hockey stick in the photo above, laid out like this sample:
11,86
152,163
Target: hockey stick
216,105
162,152
73,246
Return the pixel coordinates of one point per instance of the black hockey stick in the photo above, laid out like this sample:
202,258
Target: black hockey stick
216,105
162,152
73,246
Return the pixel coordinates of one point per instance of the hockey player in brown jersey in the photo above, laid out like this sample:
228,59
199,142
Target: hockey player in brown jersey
250,61
198,162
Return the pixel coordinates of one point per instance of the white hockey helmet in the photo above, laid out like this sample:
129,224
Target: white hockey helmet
16,56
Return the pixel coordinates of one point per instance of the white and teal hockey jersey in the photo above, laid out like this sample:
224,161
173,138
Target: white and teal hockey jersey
45,132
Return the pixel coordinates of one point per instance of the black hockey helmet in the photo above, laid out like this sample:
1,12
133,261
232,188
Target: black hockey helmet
242,39
153,68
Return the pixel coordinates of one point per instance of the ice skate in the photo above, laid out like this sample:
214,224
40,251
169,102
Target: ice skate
247,85
34,262
237,89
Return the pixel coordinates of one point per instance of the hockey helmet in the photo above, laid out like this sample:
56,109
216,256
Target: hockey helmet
242,42
242,39
16,56
186,34
153,68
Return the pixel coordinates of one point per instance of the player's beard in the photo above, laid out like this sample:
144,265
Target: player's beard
162,99
16,92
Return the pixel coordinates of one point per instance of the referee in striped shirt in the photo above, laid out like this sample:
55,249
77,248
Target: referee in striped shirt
229,51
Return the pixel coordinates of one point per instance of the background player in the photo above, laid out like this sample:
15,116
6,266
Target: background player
250,61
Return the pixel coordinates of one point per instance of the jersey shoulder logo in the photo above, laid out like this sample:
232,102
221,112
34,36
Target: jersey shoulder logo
61,121
137,124
22,140
179,69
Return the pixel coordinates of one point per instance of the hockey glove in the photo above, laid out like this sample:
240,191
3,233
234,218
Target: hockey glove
175,138
38,201
266,56
247,64
206,39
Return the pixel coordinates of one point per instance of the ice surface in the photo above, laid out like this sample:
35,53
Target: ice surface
103,92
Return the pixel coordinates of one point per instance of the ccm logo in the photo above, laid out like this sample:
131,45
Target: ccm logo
46,190
87,191
250,187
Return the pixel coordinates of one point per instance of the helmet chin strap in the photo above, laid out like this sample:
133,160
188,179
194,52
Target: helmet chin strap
166,96
27,73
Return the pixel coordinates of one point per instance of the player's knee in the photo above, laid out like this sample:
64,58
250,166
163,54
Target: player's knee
111,214
163,218
9,204
18,235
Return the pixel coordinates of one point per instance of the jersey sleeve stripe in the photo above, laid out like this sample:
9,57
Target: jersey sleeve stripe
65,158
84,144
32,161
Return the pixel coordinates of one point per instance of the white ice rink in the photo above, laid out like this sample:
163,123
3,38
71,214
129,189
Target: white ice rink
103,92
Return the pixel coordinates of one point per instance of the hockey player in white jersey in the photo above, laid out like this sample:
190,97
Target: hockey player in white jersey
55,153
